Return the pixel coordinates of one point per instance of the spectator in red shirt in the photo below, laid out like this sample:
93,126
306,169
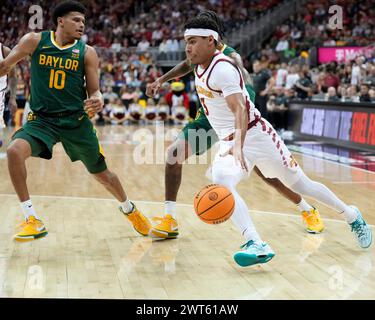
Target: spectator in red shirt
331,79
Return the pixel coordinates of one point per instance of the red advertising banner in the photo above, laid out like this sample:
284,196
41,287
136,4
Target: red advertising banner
343,54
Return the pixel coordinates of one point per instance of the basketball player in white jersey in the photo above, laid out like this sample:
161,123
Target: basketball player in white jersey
4,51
247,140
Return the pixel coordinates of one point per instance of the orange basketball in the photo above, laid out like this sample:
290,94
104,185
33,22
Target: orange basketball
214,204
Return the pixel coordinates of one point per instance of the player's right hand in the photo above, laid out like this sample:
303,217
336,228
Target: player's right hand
153,88
93,105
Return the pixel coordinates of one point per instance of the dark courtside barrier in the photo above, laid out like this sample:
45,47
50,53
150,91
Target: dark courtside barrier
346,124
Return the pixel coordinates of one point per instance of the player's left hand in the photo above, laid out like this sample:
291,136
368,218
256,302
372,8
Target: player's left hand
93,105
239,157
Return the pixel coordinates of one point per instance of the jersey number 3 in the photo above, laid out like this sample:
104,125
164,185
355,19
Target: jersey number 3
57,79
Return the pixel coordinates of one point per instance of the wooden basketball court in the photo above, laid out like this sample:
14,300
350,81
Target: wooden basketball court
91,250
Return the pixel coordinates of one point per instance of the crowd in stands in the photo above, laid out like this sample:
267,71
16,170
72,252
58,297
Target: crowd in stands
310,27
286,67
124,32
123,24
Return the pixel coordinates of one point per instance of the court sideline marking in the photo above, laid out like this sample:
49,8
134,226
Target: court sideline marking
332,161
281,214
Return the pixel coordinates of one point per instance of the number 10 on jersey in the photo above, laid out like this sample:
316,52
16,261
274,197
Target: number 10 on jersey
57,79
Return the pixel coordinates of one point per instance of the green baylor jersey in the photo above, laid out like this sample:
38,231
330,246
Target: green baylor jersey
57,76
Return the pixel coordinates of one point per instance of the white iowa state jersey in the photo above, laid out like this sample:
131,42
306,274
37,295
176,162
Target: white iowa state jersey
3,79
222,78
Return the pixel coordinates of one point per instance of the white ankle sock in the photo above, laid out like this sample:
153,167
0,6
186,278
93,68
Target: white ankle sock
242,219
28,209
170,208
304,206
251,234
127,206
349,214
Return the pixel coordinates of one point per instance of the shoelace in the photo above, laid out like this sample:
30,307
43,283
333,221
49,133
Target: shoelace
138,217
24,223
247,244
158,218
135,216
161,219
358,228
312,218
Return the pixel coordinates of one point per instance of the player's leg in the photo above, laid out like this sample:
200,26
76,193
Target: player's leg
177,153
195,138
23,145
310,214
352,215
226,172
112,183
275,160
17,153
82,144
280,187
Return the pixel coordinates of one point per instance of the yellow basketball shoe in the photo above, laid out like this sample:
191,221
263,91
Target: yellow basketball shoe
166,229
140,223
312,220
31,229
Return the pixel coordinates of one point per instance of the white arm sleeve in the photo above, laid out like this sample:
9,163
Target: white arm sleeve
226,78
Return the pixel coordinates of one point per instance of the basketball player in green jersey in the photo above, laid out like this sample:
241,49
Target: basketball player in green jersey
61,66
185,146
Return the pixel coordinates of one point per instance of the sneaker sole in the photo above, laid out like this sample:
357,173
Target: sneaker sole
141,233
161,235
246,260
30,238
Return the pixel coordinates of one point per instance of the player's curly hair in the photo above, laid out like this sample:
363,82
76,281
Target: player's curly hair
212,15
65,7
202,22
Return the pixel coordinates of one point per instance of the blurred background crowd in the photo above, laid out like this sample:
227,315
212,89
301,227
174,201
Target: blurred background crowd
137,41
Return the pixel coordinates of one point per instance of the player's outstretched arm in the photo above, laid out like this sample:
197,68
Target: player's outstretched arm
179,70
238,62
12,84
94,103
26,46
